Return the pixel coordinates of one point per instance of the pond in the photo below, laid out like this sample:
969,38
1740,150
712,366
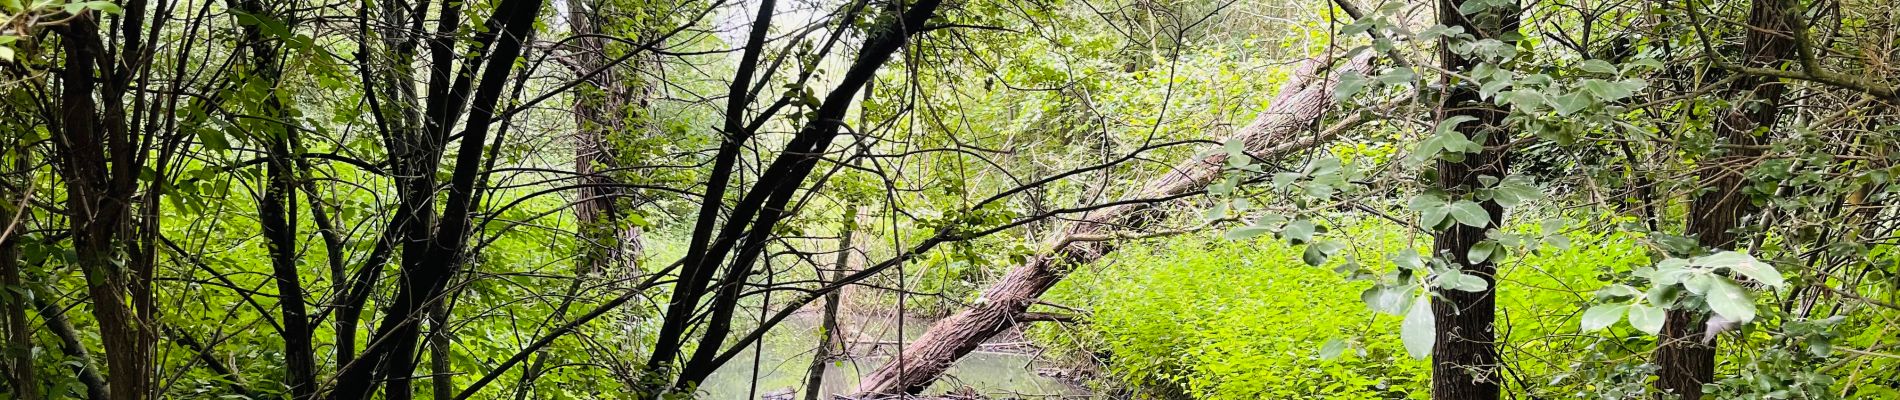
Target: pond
783,360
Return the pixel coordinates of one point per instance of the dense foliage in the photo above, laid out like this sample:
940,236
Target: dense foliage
1462,199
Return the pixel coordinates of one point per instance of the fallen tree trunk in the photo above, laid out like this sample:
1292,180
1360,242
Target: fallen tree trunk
1275,132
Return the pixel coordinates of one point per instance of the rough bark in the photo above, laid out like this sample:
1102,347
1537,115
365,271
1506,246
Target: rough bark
97,159
600,112
1465,363
1275,132
441,369
1687,362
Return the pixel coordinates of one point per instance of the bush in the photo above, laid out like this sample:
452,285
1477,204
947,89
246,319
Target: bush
1206,318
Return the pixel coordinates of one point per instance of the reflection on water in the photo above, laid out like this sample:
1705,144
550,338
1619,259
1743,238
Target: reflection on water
787,351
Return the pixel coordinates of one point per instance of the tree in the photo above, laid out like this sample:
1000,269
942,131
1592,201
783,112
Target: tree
1686,359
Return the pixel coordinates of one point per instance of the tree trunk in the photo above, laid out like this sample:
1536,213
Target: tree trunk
19,338
601,109
1686,361
830,343
1465,362
1275,132
98,163
440,366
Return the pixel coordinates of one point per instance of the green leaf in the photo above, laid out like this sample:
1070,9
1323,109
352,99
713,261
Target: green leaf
1470,213
1744,264
1435,216
1398,76
1468,283
1350,84
1729,300
1385,299
213,139
1317,253
1481,251
1647,318
1516,190
1419,329
1570,103
1820,346
1407,259
1332,349
1606,90
1602,316
1300,231
1597,66
1618,291
1246,232
1450,124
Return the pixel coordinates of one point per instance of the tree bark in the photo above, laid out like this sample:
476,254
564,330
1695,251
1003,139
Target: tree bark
1687,362
1275,132
601,109
98,161
1465,363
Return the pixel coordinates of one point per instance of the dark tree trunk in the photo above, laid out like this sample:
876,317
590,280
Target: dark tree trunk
1465,362
749,226
98,162
19,337
1686,361
433,254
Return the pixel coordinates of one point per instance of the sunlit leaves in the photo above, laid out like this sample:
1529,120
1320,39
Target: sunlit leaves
1602,316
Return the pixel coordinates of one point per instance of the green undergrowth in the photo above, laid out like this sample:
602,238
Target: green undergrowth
1202,317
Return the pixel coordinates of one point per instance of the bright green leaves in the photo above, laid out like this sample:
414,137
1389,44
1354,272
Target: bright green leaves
1705,281
1419,330
1332,349
1603,315
1647,318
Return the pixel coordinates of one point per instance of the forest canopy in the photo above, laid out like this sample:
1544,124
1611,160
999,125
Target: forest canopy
957,199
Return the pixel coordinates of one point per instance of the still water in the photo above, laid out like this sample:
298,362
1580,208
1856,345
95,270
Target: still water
786,354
